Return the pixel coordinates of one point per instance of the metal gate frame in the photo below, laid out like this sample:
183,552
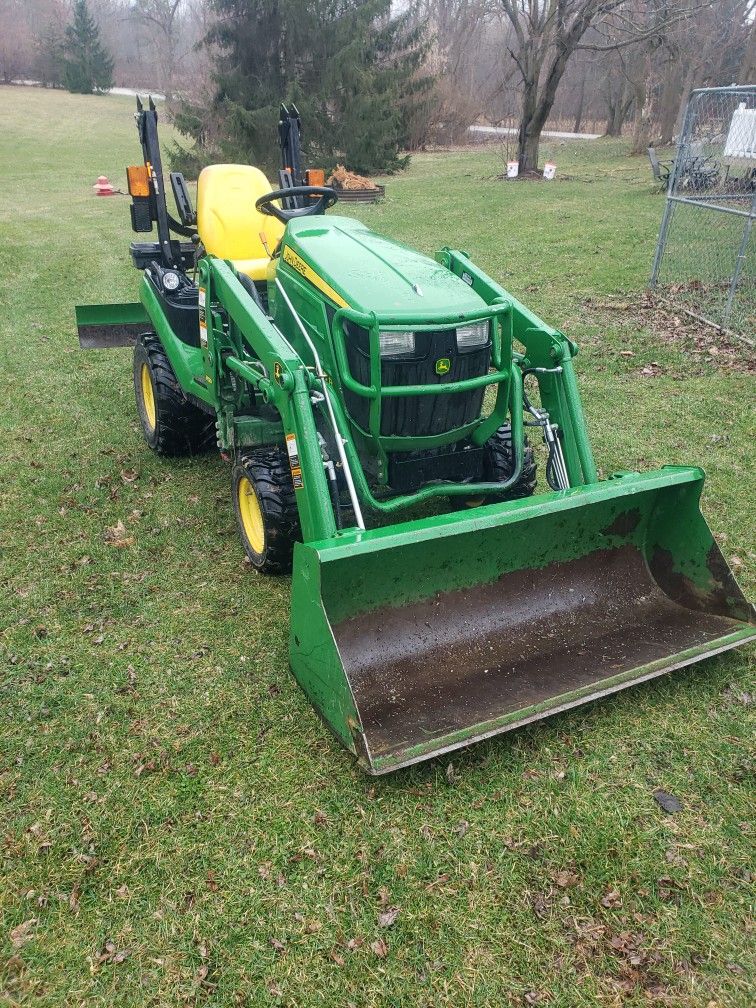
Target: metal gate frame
702,187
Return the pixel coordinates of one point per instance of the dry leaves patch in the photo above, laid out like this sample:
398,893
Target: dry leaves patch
704,343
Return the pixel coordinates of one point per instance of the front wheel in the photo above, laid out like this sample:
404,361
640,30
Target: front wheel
499,464
266,508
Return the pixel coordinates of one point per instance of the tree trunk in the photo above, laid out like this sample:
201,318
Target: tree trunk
618,118
581,101
643,110
541,105
527,140
669,104
748,66
617,114
688,85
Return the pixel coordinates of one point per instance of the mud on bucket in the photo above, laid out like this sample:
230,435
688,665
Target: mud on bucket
414,640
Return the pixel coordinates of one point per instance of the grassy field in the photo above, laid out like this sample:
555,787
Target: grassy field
178,826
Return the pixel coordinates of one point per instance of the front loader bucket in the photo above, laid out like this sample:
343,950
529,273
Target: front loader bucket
419,638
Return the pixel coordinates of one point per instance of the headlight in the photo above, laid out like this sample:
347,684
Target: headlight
473,335
397,344
171,280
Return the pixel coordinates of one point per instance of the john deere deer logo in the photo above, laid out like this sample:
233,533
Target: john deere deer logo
443,366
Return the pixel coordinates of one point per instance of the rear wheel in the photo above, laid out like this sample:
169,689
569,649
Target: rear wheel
171,425
266,508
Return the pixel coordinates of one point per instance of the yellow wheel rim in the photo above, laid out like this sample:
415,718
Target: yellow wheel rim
148,397
251,515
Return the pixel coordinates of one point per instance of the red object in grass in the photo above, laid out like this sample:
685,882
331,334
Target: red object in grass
103,187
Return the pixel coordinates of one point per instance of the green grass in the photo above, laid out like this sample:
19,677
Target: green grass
165,786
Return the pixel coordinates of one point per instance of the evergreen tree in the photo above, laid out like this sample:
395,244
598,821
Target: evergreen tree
349,67
87,66
48,61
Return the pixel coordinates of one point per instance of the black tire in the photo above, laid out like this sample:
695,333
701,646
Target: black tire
171,425
263,493
499,466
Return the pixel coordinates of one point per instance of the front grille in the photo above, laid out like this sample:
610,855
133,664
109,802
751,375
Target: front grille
418,416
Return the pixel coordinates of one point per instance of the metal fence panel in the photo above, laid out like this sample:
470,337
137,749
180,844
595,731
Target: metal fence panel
705,258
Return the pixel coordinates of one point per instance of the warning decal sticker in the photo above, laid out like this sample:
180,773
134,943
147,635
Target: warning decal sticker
296,469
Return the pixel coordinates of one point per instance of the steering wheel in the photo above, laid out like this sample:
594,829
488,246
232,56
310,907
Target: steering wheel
327,198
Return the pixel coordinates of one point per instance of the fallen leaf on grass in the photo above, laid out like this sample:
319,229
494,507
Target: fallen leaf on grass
668,802
110,955
452,777
379,948
387,918
540,905
116,536
278,945
667,888
673,857
733,694
611,899
23,933
565,878
536,997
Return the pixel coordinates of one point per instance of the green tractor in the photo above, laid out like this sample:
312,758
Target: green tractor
435,600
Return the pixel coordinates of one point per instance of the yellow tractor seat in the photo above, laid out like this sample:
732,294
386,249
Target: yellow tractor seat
228,222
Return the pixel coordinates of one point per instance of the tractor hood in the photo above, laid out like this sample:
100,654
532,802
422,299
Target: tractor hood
372,273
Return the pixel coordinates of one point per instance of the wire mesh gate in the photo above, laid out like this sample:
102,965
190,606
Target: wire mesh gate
704,257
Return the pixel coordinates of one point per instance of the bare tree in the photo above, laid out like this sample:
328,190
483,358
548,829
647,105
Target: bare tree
748,66
547,34
163,16
670,52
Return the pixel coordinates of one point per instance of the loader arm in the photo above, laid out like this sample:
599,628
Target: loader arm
549,353
277,372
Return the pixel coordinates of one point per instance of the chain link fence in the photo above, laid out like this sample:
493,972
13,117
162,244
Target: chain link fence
704,258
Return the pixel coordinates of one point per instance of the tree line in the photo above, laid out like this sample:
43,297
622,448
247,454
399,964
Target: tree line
375,79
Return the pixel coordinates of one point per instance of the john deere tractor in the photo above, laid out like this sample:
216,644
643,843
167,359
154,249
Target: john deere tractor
435,599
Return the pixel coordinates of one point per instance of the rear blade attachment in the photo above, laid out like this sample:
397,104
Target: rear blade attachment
105,326
419,638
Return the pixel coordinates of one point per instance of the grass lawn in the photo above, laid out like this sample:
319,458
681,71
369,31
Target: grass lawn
178,827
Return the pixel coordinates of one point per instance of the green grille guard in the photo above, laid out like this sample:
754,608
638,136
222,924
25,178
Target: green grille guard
480,429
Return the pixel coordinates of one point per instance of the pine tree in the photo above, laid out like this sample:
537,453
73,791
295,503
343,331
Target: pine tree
349,67
88,67
48,60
